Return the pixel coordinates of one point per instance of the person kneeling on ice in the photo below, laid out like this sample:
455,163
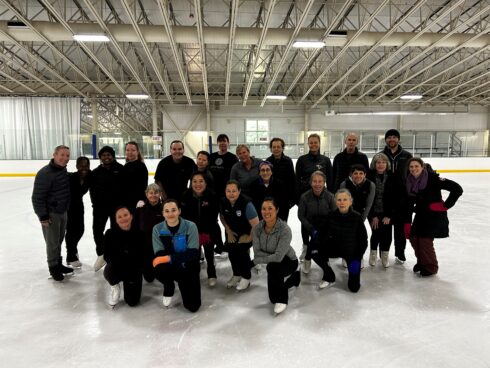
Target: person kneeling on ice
272,246
177,253
123,252
344,236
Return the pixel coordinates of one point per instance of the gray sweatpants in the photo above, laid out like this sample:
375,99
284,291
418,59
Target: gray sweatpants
53,236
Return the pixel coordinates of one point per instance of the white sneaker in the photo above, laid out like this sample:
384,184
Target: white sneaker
115,294
279,308
303,253
325,284
384,259
212,282
167,300
75,264
99,263
373,256
233,282
306,267
243,284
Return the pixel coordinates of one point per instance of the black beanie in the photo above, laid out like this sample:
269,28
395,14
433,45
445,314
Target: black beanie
394,132
107,149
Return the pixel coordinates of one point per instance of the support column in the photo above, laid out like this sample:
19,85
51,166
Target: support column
306,128
208,130
95,128
156,152
487,134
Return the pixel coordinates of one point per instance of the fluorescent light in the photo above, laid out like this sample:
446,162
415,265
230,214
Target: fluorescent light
411,97
309,44
90,116
137,96
338,34
276,97
91,38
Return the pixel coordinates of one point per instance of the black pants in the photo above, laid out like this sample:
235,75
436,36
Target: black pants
74,231
101,215
353,267
131,278
240,259
148,256
400,241
276,272
209,255
186,277
381,237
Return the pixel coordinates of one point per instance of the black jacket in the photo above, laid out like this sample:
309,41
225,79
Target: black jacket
135,181
307,165
344,236
428,223
389,196
276,189
77,191
175,176
342,164
283,169
125,248
51,192
203,211
106,186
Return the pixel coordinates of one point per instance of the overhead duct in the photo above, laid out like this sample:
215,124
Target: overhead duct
243,36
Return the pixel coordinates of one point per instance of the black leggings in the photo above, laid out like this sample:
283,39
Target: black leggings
131,279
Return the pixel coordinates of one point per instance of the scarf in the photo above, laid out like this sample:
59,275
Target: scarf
414,185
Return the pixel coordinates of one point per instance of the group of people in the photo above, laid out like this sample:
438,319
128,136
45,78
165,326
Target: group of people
164,230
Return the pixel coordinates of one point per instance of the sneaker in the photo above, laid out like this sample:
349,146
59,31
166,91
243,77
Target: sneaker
99,263
306,267
279,308
66,270
212,282
56,273
325,284
373,256
75,264
303,253
233,282
167,300
243,284
384,259
115,294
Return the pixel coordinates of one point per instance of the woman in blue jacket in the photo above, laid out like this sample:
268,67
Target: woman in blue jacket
176,247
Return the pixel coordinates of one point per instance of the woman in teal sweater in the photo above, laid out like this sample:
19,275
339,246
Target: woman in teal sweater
176,247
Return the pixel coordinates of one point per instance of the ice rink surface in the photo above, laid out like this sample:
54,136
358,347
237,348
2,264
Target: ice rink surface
397,319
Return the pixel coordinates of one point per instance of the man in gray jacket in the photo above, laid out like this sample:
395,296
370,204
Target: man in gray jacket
50,199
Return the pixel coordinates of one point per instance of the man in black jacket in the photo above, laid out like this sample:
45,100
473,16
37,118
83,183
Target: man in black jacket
398,159
344,160
106,194
50,199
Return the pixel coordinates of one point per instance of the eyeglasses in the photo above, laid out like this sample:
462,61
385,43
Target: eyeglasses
265,170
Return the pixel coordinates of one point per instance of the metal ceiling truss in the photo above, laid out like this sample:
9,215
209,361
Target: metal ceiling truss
237,52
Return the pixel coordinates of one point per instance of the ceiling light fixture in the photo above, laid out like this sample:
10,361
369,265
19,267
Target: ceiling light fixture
137,96
338,34
309,44
388,113
91,38
411,97
276,97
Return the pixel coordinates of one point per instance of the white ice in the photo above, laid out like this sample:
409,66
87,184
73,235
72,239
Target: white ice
396,320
